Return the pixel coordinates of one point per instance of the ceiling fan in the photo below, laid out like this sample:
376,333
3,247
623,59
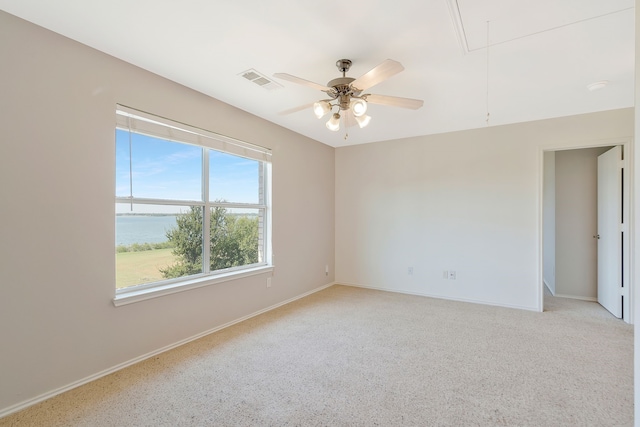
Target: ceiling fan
346,94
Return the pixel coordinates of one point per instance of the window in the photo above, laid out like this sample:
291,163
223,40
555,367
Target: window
191,207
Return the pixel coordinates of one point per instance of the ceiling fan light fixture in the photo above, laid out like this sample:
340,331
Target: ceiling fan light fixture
358,106
334,123
321,108
363,120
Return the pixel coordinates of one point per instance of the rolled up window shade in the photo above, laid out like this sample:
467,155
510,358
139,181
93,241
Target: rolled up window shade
133,120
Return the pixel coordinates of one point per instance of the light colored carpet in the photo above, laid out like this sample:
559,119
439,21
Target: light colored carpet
355,357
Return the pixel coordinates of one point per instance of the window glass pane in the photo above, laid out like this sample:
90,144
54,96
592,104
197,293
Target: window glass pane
157,242
237,237
161,169
233,178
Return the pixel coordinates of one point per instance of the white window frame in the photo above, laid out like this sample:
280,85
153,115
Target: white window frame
136,121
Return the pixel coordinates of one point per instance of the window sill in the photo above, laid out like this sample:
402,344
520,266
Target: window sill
133,295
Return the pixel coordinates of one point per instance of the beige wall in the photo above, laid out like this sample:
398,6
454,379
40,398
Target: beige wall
58,324
577,222
466,201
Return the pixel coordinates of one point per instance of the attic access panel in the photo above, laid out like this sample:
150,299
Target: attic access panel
511,20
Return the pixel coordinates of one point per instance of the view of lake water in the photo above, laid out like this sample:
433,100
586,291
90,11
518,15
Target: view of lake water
143,229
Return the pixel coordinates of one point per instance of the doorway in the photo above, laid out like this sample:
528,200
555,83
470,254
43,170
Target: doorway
570,227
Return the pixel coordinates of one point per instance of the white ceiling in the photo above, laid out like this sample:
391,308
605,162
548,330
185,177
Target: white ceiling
542,54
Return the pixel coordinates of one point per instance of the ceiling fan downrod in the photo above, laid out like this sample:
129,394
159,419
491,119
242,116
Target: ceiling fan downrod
343,65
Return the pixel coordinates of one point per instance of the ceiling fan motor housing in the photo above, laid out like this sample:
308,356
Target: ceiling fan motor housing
342,90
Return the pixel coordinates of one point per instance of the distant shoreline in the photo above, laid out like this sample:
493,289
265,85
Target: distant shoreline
148,214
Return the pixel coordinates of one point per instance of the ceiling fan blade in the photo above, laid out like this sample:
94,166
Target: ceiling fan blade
296,109
303,82
377,75
394,101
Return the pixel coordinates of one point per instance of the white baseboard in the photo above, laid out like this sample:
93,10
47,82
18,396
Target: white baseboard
425,294
29,402
590,299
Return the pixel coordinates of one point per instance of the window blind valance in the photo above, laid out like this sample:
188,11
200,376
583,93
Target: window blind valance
133,120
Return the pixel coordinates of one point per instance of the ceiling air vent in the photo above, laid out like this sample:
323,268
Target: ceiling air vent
259,79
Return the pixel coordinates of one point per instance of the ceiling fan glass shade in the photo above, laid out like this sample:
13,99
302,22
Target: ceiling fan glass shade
358,106
363,120
321,108
334,122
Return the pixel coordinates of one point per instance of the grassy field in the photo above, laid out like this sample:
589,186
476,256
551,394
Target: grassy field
134,268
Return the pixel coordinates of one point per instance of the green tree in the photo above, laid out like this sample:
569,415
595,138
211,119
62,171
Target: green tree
186,238
233,241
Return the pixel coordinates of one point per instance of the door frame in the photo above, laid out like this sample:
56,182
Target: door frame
628,241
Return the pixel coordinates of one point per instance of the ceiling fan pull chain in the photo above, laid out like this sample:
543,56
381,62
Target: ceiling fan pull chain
488,115
346,128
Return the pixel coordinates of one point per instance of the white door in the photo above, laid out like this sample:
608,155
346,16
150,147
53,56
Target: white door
609,230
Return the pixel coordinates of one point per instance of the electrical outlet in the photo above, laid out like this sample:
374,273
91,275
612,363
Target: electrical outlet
452,275
445,275
268,282
410,271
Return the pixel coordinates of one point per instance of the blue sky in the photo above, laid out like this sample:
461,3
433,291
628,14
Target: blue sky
169,170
